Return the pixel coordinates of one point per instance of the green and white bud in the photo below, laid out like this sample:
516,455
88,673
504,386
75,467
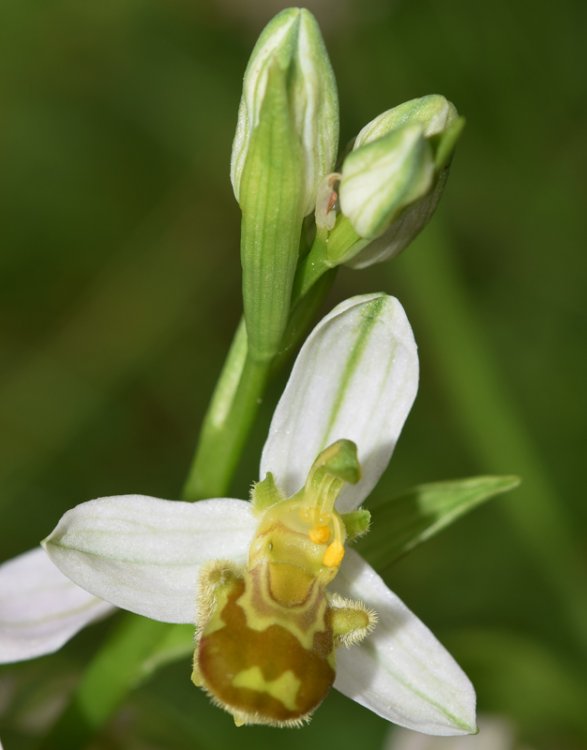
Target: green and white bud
382,177
393,179
286,139
293,41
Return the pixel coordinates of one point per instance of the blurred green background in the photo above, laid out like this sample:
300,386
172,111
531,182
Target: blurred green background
120,292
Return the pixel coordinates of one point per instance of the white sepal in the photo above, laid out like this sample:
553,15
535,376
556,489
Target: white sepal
41,609
355,378
440,126
382,177
144,554
401,672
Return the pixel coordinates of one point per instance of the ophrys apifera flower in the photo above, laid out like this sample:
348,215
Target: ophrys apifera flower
283,608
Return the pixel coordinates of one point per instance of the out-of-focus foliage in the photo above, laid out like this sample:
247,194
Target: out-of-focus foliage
120,289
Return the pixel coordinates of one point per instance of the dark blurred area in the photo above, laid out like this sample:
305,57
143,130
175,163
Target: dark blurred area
120,291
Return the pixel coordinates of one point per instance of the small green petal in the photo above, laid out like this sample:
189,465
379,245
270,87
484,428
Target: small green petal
265,493
356,523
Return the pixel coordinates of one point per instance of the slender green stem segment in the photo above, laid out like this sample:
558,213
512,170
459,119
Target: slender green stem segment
112,674
227,424
311,268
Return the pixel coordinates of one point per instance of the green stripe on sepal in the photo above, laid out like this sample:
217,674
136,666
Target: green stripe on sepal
380,178
400,524
271,193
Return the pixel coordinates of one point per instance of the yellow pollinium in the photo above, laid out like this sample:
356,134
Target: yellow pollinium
333,555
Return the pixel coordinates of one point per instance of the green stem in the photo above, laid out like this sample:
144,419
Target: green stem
112,674
329,250
230,416
310,269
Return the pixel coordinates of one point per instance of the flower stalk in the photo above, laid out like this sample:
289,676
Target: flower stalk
238,394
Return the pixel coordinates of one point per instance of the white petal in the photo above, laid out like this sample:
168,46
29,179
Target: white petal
144,554
41,609
400,671
356,377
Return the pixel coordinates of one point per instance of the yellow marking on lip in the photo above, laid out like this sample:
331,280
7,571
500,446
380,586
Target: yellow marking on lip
319,534
284,688
333,555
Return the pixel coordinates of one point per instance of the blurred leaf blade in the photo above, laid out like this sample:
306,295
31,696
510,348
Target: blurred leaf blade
405,521
178,642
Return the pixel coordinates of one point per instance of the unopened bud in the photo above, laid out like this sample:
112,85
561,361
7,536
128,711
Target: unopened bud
293,41
393,179
382,177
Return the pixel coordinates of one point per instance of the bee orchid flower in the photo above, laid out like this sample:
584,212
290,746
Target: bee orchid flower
283,608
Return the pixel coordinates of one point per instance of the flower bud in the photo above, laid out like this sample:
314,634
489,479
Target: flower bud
382,177
293,41
393,179
286,139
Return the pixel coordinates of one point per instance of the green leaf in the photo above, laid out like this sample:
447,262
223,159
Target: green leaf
136,649
115,670
400,524
178,642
